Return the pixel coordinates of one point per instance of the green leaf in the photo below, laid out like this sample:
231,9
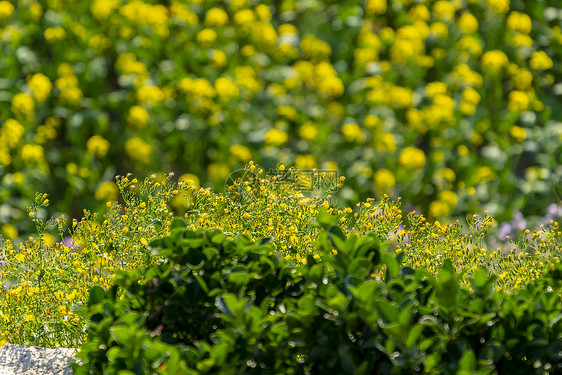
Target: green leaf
480,278
414,334
97,294
468,361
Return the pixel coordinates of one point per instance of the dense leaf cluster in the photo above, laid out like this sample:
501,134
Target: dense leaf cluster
217,305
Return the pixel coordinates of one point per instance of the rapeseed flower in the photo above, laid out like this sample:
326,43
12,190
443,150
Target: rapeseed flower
138,117
41,86
6,10
98,146
23,107
412,157
216,17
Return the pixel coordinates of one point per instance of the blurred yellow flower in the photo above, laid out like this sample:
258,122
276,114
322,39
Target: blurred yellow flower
182,12
419,12
518,133
276,137
308,131
149,94
23,107
241,153
520,22
352,132
101,9
287,111
263,12
6,10
9,231
375,6
384,180
498,6
216,17
226,88
305,162
206,37
41,86
52,34
288,28
32,153
494,60
138,117
385,142
444,10
483,174
372,122
107,191
138,150
315,49
468,23
518,101
412,157
219,59
98,146
540,61
435,88
99,43
11,133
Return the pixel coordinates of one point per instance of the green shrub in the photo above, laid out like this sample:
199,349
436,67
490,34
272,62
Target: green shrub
232,306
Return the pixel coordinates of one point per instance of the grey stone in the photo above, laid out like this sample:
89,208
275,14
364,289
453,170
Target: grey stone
33,360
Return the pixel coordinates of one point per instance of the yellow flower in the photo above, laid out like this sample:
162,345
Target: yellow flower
22,106
226,88
40,86
276,137
138,150
352,132
385,143
150,94
101,9
97,145
219,59
138,117
494,60
308,131
498,6
412,157
375,7
216,17
468,23
518,133
29,317
241,152
519,22
314,48
305,162
6,10
372,121
107,191
384,179
144,241
444,10
435,88
540,60
52,34
518,101
31,153
12,133
99,43
206,37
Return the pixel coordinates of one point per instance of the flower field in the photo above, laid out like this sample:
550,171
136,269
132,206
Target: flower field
373,182
451,105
